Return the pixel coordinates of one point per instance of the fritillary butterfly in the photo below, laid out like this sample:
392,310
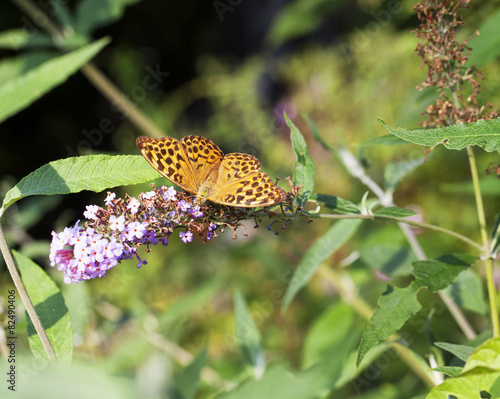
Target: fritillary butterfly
198,166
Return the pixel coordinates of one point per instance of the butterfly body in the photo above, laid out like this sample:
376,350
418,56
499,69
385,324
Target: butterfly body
198,166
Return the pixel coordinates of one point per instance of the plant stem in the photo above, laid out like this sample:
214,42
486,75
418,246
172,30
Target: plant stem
350,297
399,220
11,266
116,97
488,262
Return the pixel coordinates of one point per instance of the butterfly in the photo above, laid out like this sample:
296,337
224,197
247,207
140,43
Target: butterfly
198,166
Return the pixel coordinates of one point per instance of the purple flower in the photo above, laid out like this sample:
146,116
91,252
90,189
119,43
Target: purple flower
136,230
133,205
195,212
91,212
211,228
113,234
148,196
186,236
183,205
170,194
117,223
109,199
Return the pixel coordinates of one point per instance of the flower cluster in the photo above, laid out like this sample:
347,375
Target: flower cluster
114,233
446,60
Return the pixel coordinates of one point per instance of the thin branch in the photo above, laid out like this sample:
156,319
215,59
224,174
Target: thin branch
21,289
492,294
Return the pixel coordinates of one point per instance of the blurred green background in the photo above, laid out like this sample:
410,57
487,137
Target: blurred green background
232,71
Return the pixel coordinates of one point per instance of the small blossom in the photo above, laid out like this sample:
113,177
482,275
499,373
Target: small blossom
136,230
133,205
148,196
109,199
195,212
186,236
117,223
170,194
91,212
184,205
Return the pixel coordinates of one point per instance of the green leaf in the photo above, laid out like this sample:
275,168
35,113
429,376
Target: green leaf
322,248
392,260
394,211
396,171
300,17
461,351
327,333
187,382
450,371
466,387
91,172
93,14
279,383
336,203
17,39
394,307
486,45
63,14
468,292
80,381
248,337
303,175
317,135
483,133
485,356
480,373
23,90
12,68
437,274
49,305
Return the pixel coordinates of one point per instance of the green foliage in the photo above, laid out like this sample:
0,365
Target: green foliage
93,14
485,45
300,17
397,305
303,174
482,133
50,307
322,248
335,203
480,374
181,297
461,351
23,89
468,292
248,337
72,175
187,381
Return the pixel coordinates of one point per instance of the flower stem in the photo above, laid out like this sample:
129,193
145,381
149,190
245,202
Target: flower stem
488,262
11,266
409,222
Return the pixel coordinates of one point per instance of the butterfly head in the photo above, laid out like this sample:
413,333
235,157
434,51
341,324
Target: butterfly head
202,195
